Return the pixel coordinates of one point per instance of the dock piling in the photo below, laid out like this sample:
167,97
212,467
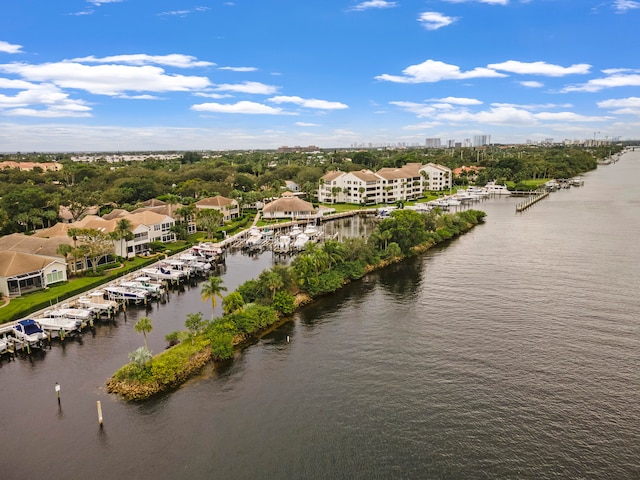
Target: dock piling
100,419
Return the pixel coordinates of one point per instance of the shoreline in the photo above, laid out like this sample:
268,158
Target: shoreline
132,390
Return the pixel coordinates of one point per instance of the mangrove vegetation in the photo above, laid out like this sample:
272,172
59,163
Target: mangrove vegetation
269,299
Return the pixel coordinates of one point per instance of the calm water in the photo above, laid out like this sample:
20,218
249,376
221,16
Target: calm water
512,352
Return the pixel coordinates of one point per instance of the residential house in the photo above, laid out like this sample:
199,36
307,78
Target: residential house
289,206
59,233
228,206
291,186
24,272
146,227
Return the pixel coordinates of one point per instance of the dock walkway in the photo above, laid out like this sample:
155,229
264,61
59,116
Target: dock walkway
539,195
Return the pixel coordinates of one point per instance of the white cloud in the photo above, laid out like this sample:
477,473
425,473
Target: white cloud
373,4
106,79
495,116
244,107
212,95
139,97
543,106
623,6
17,84
532,84
622,106
499,114
248,87
419,109
612,81
82,13
6,47
540,68
422,126
239,69
306,124
47,113
44,100
435,20
613,71
432,71
99,3
183,13
309,102
569,117
172,60
459,101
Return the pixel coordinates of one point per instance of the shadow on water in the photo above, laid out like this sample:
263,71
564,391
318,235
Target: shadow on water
402,279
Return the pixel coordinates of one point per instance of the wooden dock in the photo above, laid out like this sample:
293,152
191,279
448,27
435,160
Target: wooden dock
539,195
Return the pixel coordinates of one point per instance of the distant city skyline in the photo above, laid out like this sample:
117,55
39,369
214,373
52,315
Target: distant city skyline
125,75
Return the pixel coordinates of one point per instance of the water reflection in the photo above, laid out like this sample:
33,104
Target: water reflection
402,280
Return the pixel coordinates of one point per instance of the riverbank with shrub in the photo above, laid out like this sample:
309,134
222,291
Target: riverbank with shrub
259,304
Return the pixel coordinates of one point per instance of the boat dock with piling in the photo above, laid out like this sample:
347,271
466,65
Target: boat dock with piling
532,200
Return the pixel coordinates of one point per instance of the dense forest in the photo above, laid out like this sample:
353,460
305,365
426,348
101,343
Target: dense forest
31,199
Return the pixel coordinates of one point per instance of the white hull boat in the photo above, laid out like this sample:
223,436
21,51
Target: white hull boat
494,189
56,323
96,302
164,273
127,294
28,331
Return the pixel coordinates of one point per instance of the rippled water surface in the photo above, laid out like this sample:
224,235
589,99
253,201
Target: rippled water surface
511,352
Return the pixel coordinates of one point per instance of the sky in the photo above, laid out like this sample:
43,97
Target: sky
139,75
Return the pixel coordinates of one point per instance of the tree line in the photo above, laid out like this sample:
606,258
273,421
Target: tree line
31,199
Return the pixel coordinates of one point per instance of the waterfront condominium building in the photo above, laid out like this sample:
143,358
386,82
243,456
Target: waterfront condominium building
387,185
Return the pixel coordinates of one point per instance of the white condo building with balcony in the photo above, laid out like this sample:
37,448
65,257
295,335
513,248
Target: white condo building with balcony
387,185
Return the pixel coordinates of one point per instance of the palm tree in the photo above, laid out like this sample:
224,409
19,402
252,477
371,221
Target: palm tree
143,326
50,216
209,220
123,232
73,233
140,356
211,290
171,200
65,249
336,252
334,193
273,282
232,303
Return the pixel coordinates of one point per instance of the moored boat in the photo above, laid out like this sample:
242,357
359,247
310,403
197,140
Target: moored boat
145,284
28,331
96,302
162,272
55,321
494,189
127,294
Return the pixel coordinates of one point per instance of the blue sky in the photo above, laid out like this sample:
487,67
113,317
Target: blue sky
90,75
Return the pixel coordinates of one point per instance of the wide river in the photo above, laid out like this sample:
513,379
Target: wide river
512,352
